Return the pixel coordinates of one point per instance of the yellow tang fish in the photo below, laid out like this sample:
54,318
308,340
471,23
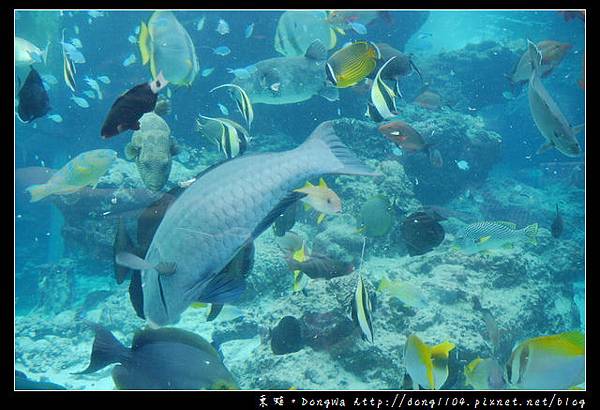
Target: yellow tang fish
352,64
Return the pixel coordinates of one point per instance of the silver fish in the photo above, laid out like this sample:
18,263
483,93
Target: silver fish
220,214
548,118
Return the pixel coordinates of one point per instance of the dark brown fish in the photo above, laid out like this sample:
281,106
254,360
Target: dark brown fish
401,66
126,111
320,266
33,98
422,232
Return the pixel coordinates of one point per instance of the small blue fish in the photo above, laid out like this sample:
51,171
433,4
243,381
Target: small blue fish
132,39
76,42
223,109
137,30
200,24
222,51
129,60
76,29
90,94
56,118
104,79
50,79
207,71
80,101
359,28
249,30
95,13
75,55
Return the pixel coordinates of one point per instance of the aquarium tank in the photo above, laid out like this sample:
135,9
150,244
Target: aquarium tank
299,199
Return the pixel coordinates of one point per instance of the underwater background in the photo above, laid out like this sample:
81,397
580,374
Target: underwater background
481,125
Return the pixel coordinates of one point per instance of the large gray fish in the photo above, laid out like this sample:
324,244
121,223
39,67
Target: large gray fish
220,215
547,116
288,80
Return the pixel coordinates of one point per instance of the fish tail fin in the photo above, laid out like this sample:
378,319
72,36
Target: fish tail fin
531,233
143,43
105,350
38,192
535,55
331,154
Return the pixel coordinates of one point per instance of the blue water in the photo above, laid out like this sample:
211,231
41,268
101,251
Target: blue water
40,238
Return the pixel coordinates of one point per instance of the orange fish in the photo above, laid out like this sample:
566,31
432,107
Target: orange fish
429,100
404,136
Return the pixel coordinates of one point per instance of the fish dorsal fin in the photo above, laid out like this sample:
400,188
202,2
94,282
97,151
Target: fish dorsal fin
136,295
172,335
279,209
510,225
442,350
535,55
316,51
322,183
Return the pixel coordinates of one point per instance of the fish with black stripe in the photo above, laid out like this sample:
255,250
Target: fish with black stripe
68,67
242,101
231,138
361,310
383,96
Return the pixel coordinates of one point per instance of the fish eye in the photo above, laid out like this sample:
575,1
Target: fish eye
158,83
328,200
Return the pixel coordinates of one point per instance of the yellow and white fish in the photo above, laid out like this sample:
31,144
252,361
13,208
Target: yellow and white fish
362,310
383,97
83,170
548,362
166,44
406,292
484,374
427,365
27,53
300,279
321,198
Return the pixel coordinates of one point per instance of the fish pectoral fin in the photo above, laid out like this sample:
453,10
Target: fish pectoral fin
166,268
330,93
545,147
215,309
131,261
320,218
484,239
577,128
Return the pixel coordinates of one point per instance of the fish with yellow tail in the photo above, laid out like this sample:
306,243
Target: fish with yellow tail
548,118
322,198
482,236
552,362
83,170
383,97
427,365
167,46
350,65
484,374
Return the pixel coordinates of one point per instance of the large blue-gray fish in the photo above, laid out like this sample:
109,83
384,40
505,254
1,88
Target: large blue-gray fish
289,80
220,215
548,118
